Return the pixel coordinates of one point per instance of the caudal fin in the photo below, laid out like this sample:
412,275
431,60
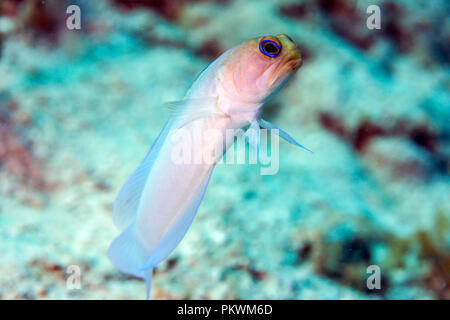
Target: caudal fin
148,282
128,255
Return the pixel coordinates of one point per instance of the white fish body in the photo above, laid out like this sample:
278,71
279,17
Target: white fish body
158,203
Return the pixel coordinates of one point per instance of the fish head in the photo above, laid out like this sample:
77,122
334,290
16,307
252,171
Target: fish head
255,70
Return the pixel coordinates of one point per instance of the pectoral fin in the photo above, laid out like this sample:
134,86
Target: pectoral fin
252,135
273,128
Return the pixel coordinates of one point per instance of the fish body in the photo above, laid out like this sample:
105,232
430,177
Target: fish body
158,203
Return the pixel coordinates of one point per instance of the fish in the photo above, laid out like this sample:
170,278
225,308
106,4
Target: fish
157,204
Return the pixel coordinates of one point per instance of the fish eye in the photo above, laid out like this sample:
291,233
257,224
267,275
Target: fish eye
270,48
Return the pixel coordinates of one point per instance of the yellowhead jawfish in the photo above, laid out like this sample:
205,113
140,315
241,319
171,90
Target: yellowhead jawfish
158,203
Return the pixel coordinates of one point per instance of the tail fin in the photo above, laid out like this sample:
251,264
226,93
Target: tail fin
148,282
128,255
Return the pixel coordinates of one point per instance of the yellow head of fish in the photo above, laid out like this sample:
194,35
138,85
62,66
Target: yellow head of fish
254,70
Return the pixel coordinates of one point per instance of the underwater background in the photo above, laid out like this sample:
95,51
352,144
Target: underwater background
80,108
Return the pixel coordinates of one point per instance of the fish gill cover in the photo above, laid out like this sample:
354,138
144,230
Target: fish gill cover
79,109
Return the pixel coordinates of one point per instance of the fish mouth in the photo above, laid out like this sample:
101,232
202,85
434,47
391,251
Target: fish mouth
293,60
287,67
